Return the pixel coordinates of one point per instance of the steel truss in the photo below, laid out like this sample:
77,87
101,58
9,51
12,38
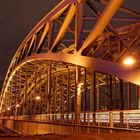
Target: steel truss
72,60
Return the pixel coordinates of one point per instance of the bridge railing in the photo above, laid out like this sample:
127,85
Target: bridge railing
107,119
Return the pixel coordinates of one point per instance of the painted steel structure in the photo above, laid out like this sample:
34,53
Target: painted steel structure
72,62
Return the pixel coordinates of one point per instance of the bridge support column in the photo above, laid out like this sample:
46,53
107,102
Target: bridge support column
129,95
68,93
25,91
78,95
49,87
121,102
93,95
34,95
111,119
138,96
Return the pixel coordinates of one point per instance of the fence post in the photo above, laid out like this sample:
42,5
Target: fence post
127,120
111,125
88,119
98,122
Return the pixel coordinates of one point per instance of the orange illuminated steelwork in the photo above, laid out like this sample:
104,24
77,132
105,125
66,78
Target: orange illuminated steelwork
70,56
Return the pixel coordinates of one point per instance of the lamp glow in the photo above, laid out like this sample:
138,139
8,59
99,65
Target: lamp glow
128,61
8,108
17,105
37,98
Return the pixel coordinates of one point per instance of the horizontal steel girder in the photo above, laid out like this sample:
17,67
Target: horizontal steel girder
130,74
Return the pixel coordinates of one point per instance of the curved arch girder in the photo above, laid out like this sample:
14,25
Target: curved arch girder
102,44
130,74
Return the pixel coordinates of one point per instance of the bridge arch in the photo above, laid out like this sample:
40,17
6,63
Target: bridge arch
63,51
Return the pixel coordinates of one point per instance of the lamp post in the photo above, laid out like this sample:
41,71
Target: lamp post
9,108
79,101
37,98
16,110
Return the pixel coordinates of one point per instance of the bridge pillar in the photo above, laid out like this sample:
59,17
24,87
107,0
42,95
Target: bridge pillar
78,96
93,95
49,86
121,102
138,96
111,119
25,91
129,95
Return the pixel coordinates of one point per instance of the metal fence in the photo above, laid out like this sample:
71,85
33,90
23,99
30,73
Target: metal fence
129,119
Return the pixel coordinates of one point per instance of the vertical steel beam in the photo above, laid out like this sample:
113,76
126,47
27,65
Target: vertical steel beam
110,85
84,95
91,97
35,80
12,109
107,92
97,93
20,88
25,90
129,95
45,100
138,96
49,86
68,90
77,95
92,92
40,102
15,94
54,80
121,102
114,93
121,95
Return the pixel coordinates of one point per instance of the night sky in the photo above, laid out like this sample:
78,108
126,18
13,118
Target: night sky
18,17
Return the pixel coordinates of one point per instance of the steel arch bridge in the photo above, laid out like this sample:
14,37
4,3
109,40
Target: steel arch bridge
72,62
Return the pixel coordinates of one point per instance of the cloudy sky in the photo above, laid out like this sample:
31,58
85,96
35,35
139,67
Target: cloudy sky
18,17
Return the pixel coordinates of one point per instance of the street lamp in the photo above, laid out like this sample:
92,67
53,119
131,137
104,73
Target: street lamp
129,61
8,108
17,105
37,98
79,87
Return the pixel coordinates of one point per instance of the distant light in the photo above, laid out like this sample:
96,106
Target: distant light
117,79
8,108
0,108
80,84
37,98
17,105
128,61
